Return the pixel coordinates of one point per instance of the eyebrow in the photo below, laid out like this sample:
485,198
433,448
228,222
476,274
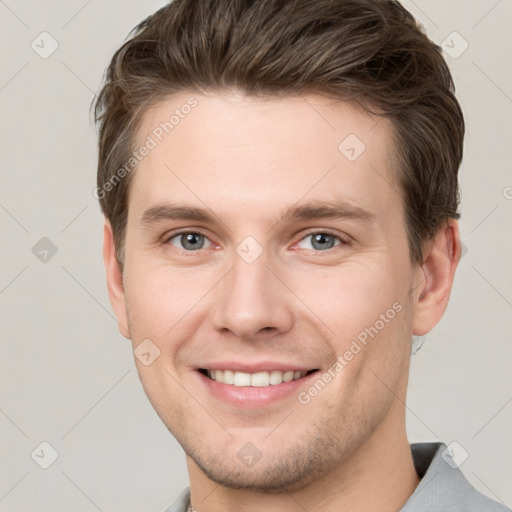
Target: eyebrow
166,211
326,210
310,211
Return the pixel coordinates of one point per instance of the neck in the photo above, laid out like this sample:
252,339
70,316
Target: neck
380,475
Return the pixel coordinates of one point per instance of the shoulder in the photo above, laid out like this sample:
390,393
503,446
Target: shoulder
181,503
443,486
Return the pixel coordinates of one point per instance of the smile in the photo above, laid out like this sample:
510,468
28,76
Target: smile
259,379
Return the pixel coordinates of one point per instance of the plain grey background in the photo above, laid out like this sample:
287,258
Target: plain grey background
68,377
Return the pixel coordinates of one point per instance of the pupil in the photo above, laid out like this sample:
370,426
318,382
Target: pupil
190,241
323,240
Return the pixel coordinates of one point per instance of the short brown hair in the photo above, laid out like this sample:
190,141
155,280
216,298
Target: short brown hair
370,52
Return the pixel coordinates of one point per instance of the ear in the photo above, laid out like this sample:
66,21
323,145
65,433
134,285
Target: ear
114,280
435,278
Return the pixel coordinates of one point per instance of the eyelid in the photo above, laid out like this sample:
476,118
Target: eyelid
314,231
166,239
173,233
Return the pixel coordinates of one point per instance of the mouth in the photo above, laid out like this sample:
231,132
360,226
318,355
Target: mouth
257,380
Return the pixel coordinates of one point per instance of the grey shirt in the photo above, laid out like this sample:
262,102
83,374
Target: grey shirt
442,488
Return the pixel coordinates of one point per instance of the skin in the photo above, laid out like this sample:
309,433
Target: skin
246,160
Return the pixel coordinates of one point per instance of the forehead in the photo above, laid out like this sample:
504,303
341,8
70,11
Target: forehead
243,152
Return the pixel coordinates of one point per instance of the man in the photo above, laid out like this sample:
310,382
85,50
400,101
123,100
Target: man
279,181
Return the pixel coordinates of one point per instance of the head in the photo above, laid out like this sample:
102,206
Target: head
279,182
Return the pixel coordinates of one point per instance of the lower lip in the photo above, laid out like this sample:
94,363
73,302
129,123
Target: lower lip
253,397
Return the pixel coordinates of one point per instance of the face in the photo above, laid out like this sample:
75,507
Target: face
267,267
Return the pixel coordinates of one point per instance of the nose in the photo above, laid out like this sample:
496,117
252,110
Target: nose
252,301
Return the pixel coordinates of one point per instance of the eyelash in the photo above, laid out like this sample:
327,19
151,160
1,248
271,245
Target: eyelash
342,241
309,233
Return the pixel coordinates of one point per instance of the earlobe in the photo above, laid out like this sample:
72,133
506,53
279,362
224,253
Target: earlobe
114,280
435,278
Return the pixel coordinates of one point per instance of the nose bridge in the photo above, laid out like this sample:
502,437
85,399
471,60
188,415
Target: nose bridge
251,298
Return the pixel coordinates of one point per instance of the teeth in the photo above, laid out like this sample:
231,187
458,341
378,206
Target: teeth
275,377
228,377
260,379
239,379
288,376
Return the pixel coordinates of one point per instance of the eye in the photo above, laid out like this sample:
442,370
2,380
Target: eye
188,241
321,241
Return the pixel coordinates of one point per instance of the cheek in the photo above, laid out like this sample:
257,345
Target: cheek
365,314
349,298
162,299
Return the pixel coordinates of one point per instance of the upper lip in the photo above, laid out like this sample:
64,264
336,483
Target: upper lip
255,367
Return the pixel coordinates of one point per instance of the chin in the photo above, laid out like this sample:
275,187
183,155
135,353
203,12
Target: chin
287,471
275,478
